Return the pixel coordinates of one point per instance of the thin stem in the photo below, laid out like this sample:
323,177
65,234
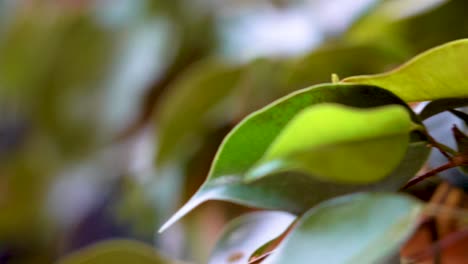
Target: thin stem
443,149
455,161
428,174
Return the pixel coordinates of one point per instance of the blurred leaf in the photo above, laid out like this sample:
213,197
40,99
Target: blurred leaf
117,252
134,206
260,84
351,229
69,94
56,68
446,22
421,78
342,59
247,143
385,14
441,105
409,27
242,236
339,144
193,103
43,90
77,92
25,173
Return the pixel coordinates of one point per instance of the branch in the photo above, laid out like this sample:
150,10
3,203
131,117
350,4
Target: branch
443,149
428,174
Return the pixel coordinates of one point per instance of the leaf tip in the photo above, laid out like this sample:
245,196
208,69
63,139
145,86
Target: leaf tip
195,201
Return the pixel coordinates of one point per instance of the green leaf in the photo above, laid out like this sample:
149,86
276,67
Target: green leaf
435,74
339,144
361,228
441,105
294,192
193,102
244,235
117,252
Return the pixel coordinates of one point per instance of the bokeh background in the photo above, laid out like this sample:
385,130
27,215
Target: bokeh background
112,110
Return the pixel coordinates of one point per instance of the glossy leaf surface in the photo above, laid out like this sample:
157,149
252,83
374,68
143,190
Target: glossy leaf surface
351,229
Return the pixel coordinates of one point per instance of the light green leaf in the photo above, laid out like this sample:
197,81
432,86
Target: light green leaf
361,228
193,102
244,235
435,74
117,252
339,144
294,192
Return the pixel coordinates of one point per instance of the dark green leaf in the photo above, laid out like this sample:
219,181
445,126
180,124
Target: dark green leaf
195,101
361,228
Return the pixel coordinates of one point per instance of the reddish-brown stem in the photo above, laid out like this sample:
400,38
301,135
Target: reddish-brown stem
441,148
428,174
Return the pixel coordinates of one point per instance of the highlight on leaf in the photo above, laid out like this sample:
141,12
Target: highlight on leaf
339,144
